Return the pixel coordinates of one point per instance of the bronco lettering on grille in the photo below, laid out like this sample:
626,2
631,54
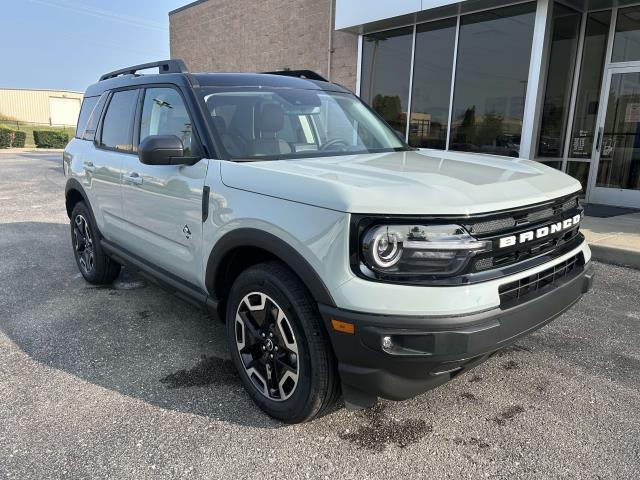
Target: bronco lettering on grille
541,232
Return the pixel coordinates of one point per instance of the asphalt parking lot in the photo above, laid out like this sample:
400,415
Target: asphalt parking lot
131,382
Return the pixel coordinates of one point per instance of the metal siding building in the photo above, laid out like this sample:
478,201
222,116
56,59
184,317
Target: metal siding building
50,107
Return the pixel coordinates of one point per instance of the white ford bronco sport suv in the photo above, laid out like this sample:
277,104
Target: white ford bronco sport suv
342,260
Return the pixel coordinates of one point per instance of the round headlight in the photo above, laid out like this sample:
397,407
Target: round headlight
410,250
383,247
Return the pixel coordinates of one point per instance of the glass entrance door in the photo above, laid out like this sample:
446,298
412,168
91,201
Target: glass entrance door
616,178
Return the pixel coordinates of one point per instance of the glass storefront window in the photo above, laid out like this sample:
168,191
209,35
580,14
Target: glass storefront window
626,42
564,44
386,67
589,84
619,164
494,49
557,164
432,69
579,171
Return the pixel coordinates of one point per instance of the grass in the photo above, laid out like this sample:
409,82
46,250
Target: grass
29,128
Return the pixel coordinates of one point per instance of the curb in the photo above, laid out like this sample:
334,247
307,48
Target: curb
31,150
615,255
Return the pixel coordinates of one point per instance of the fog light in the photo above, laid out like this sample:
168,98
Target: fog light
386,342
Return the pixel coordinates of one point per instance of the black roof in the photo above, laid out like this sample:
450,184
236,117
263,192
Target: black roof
274,80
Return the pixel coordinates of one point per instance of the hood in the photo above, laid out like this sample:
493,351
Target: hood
414,182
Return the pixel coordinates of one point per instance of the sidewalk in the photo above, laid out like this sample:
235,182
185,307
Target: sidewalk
614,239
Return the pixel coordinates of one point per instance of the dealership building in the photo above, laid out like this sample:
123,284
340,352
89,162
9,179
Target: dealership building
552,81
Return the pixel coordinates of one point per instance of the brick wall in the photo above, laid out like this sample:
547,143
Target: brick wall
254,36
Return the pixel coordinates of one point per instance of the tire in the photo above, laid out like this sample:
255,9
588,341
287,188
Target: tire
295,387
94,264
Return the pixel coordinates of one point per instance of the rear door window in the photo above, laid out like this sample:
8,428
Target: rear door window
118,120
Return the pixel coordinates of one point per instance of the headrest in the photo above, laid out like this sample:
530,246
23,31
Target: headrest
271,119
219,124
211,103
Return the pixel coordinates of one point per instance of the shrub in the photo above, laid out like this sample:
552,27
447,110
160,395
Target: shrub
7,137
19,139
50,138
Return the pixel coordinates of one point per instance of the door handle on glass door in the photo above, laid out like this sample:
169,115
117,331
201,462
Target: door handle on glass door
599,139
133,177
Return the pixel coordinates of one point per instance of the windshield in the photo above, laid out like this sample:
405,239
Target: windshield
281,123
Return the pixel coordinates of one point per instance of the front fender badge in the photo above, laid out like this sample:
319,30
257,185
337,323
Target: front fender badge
186,231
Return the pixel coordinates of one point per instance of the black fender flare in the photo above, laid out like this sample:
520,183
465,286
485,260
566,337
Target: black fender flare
75,185
251,237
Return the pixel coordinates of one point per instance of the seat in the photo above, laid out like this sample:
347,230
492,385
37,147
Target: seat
269,122
233,144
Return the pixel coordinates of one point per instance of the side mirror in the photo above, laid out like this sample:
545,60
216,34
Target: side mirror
162,150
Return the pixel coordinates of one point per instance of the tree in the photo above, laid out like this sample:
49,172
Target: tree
467,128
389,108
489,129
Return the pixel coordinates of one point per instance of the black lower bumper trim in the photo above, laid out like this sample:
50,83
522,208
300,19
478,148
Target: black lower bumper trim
422,352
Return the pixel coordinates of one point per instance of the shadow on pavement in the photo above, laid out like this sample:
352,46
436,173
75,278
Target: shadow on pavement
129,337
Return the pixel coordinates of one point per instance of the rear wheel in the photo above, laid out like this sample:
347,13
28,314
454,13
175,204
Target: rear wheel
279,346
96,267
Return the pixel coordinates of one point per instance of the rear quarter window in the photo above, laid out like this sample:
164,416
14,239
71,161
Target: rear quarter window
88,104
89,132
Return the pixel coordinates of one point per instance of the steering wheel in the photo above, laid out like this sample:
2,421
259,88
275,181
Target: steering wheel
334,142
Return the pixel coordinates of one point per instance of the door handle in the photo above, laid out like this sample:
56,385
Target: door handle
599,139
133,177
89,166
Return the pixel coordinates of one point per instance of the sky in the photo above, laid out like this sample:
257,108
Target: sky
68,44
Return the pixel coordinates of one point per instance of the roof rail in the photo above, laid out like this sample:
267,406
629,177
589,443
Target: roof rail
164,66
308,74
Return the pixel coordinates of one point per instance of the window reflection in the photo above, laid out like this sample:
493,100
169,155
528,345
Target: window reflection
579,171
494,49
564,43
433,65
619,165
386,65
164,113
589,83
626,43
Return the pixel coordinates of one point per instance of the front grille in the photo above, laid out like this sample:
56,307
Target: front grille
534,285
483,264
517,243
499,222
492,225
573,203
540,215
521,220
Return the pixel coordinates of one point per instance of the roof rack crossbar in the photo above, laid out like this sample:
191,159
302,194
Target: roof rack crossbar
164,66
308,74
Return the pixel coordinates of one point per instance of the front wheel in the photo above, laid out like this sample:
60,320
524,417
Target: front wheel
279,346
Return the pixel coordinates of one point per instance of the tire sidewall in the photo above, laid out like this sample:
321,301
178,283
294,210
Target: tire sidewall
297,406
98,263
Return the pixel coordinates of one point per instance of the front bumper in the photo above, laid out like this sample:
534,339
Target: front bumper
427,351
